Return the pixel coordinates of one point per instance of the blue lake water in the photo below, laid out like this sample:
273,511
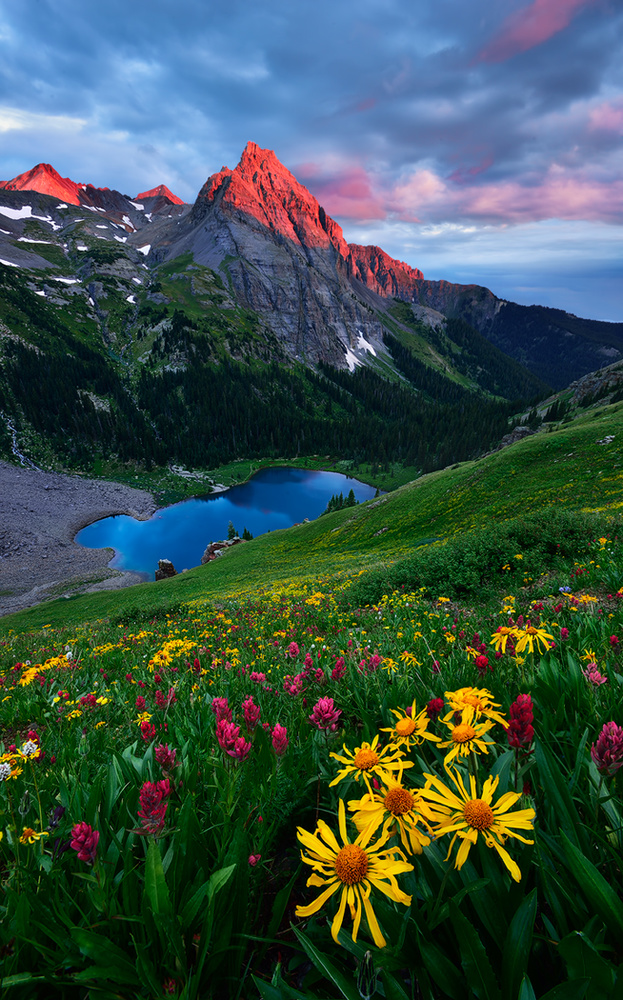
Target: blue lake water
273,498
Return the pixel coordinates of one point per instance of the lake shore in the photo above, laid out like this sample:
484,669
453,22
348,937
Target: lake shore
40,514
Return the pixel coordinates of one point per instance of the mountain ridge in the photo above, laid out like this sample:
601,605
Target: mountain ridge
44,179
283,257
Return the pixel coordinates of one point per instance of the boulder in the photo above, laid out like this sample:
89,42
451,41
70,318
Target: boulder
165,569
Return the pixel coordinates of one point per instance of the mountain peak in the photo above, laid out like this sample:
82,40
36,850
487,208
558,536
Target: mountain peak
262,188
46,180
161,191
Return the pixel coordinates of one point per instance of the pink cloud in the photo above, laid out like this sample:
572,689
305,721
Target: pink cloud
560,194
348,193
530,26
606,117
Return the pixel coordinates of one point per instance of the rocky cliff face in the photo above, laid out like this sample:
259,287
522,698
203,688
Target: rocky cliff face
285,258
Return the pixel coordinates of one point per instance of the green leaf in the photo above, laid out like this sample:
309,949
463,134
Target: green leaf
556,791
583,961
155,885
476,965
322,963
104,954
573,989
393,989
441,969
526,991
517,946
599,893
19,978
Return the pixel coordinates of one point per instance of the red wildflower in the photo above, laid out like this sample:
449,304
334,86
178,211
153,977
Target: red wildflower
84,840
325,715
280,739
520,732
607,752
252,713
434,707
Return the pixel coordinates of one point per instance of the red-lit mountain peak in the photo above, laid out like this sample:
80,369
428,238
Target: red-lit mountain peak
261,187
161,191
46,180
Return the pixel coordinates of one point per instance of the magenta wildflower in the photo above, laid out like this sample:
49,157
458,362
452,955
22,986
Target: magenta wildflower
257,677
520,732
325,715
607,752
253,859
433,708
165,757
593,676
221,709
252,713
239,749
339,669
154,805
293,650
280,739
148,731
84,840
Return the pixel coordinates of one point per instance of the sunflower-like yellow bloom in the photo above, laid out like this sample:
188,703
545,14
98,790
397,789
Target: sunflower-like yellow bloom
466,735
410,728
394,806
465,815
354,869
500,638
531,636
368,760
477,698
30,836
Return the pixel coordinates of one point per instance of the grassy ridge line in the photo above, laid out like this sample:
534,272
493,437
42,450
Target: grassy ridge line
567,469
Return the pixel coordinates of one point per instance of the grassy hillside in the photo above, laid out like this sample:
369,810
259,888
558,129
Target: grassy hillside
566,470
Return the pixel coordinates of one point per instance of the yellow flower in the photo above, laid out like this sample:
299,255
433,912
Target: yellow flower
465,736
354,869
466,815
501,637
75,714
531,636
393,806
29,836
367,760
410,727
477,698
142,717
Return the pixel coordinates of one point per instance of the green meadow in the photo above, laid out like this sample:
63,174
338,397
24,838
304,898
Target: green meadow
379,754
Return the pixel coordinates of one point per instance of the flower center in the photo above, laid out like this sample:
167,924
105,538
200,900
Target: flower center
404,727
365,758
463,734
398,801
351,864
478,814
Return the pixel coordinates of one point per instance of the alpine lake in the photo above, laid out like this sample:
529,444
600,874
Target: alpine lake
273,498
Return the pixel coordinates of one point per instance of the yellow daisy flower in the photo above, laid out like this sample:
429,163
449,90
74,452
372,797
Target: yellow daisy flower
500,638
394,806
367,760
465,736
354,869
410,727
29,836
531,636
477,698
466,815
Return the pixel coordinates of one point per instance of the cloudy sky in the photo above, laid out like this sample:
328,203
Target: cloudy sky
477,141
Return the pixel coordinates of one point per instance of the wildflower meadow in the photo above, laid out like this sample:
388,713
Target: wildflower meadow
287,795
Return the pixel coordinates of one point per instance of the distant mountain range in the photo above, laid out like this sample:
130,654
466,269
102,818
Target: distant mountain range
251,296
283,257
